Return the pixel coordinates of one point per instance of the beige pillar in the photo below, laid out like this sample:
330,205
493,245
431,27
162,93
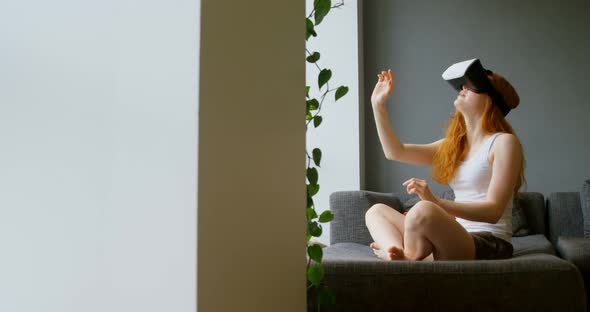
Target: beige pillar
251,185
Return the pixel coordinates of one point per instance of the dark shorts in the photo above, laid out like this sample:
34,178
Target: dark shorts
488,246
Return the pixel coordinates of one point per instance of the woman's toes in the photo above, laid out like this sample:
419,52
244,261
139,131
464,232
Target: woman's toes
384,255
396,253
374,246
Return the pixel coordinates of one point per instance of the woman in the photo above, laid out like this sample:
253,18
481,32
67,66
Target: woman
480,158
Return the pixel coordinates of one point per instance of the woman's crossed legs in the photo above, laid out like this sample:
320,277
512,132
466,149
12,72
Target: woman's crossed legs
427,232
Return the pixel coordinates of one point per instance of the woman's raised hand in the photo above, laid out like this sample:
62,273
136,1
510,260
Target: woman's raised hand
383,90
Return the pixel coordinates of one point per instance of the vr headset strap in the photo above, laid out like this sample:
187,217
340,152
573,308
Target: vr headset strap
496,97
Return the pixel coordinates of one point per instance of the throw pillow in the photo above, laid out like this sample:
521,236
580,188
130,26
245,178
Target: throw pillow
520,226
448,195
414,199
585,202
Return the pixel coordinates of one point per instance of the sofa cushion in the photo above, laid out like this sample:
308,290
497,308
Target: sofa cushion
349,252
525,245
585,202
576,250
531,244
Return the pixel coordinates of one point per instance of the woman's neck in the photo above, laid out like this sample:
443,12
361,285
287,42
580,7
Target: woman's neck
475,135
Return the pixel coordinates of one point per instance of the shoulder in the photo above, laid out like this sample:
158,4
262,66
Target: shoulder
506,145
506,140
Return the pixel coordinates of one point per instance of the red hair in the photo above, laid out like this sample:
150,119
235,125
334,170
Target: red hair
454,147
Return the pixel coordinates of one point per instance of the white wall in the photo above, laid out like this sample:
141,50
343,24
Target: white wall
98,155
338,135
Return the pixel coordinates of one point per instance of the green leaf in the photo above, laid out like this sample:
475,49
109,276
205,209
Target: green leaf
317,120
315,252
311,214
313,189
308,116
326,216
315,274
312,175
317,156
326,297
308,237
307,91
314,229
313,58
309,201
310,30
313,104
321,8
340,92
324,77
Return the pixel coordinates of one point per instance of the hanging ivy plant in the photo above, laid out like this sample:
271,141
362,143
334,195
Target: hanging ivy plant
315,273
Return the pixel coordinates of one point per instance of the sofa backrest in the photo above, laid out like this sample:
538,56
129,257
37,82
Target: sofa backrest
565,216
528,212
349,208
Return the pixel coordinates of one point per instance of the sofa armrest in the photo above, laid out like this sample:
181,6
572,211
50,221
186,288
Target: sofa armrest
564,215
349,208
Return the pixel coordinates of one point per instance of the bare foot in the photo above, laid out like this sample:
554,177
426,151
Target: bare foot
396,253
392,253
379,253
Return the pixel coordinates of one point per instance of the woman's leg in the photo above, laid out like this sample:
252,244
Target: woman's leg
386,226
430,229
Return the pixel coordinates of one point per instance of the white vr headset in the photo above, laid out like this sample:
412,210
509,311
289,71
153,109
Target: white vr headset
471,75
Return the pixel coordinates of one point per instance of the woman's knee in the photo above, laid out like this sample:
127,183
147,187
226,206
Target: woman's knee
376,210
422,215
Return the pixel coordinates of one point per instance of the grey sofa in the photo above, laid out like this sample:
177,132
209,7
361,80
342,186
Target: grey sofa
569,230
534,279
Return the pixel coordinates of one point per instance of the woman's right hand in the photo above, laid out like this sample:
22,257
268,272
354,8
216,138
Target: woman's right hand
383,90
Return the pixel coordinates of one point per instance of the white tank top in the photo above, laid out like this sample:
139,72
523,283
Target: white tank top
471,183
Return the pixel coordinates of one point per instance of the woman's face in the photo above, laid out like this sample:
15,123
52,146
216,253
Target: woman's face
470,103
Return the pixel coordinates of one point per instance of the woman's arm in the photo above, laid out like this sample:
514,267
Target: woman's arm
506,159
416,154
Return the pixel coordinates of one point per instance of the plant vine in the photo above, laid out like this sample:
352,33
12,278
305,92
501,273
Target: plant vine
315,273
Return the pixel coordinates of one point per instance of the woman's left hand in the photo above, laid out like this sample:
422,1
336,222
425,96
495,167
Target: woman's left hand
420,188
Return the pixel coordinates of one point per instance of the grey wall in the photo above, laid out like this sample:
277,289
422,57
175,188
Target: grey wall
542,47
